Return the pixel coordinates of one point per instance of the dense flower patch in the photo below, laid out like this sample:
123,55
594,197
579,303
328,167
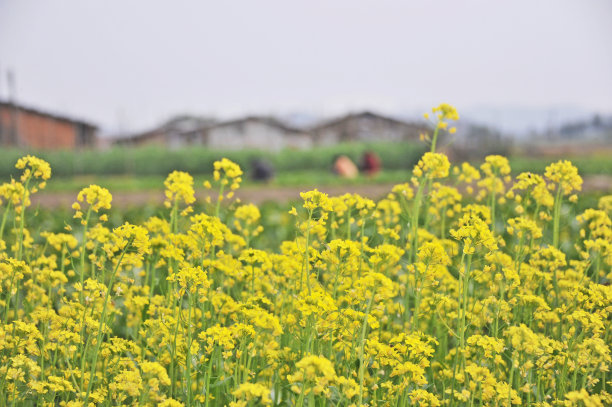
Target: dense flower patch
460,287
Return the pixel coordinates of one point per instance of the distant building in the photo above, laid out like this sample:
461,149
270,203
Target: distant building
257,133
30,128
177,132
365,126
262,133
270,134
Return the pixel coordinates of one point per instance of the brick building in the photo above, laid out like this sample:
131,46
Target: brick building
30,128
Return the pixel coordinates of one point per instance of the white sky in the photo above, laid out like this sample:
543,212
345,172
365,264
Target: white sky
129,64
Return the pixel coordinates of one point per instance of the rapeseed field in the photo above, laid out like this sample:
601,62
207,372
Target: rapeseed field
462,287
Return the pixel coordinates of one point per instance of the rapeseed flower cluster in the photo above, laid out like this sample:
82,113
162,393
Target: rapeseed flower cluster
461,288
441,115
179,188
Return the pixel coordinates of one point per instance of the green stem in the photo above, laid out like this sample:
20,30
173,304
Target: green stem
218,206
100,326
364,329
188,352
492,203
414,223
434,139
83,250
510,380
463,310
417,299
306,262
556,216
208,375
443,224
22,218
174,217
4,216
173,352
348,224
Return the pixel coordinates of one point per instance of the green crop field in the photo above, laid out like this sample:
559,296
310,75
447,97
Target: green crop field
139,169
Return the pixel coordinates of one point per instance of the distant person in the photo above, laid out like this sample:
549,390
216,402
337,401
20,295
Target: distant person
344,167
262,170
370,163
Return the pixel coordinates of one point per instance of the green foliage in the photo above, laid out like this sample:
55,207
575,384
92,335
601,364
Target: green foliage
199,160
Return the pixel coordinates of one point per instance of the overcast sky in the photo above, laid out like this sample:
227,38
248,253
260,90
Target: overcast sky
129,64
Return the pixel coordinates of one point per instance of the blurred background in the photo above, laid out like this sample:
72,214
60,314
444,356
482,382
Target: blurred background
121,93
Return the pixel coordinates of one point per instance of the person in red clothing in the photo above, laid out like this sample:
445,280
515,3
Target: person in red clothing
370,163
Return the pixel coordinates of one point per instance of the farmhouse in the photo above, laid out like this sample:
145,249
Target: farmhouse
365,126
25,127
270,134
255,132
251,132
177,132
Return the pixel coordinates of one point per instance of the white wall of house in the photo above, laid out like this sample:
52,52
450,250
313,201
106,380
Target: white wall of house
364,129
298,141
328,137
254,134
174,140
264,134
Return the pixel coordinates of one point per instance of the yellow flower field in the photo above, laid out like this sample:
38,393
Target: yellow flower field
461,287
